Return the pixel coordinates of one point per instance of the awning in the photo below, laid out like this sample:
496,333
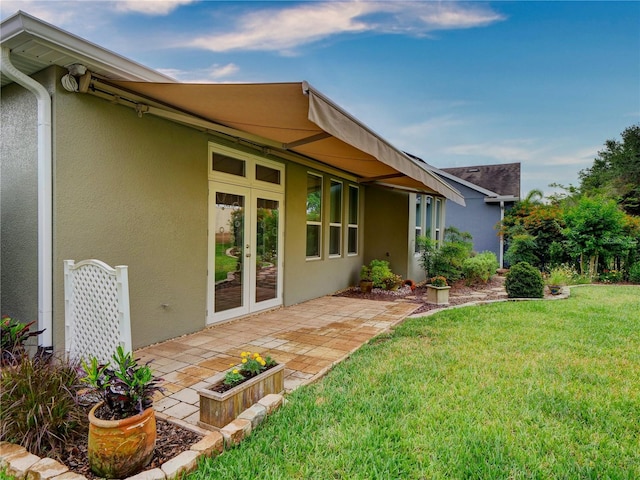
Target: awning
296,118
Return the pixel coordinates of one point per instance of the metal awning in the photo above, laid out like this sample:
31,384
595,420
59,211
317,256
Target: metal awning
294,117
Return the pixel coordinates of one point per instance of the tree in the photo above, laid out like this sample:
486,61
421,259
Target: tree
596,230
615,172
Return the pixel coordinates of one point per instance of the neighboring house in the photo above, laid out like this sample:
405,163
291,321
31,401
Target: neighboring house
488,191
223,200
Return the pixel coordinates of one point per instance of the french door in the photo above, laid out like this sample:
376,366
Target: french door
245,244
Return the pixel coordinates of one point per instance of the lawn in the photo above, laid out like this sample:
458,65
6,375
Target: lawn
541,389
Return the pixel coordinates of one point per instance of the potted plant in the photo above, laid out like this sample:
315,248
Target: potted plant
122,427
13,336
238,388
556,279
438,290
366,279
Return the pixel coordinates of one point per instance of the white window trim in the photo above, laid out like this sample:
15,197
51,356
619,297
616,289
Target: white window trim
353,225
311,222
336,224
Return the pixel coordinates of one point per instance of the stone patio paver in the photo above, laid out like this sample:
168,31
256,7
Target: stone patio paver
309,337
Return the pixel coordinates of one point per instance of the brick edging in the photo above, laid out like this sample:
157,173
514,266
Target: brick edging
20,463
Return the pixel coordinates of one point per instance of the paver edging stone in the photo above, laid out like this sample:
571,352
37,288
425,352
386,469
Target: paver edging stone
19,462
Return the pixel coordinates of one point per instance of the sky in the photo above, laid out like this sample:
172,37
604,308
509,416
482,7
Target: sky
543,83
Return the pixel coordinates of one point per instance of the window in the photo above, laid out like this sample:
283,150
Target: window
314,215
335,219
352,242
267,174
419,221
438,220
225,164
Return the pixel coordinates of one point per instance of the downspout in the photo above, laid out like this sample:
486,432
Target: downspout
501,235
45,198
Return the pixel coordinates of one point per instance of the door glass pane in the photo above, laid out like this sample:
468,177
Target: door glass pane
229,259
267,219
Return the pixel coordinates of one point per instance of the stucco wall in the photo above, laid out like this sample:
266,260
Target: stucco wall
132,191
478,218
305,279
387,228
19,201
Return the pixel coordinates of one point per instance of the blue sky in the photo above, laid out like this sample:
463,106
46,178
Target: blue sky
456,83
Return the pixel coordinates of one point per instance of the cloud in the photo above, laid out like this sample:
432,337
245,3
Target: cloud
582,157
292,27
215,73
150,7
508,150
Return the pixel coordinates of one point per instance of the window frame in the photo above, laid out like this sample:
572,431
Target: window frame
353,226
315,223
333,225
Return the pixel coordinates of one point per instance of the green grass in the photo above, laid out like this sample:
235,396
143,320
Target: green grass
517,390
224,263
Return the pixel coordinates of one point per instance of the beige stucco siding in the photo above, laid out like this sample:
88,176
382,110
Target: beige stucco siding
132,191
386,228
19,201
305,279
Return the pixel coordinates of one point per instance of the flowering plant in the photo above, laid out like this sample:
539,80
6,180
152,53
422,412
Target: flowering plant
252,364
438,281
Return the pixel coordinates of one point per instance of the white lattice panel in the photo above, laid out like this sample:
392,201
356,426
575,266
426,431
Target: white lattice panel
96,309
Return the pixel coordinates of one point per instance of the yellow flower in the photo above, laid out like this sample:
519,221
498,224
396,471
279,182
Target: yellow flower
235,370
231,364
244,360
263,363
244,354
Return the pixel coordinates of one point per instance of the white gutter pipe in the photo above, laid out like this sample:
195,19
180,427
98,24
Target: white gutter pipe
45,198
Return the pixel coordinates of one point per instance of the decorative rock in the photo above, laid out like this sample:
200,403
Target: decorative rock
256,413
271,402
70,476
7,449
45,469
183,463
153,474
235,432
18,464
212,443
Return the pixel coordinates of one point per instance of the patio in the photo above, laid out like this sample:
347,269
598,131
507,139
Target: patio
309,337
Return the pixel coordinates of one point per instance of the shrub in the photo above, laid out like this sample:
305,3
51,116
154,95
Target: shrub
522,248
524,281
38,405
480,268
610,276
13,336
447,260
634,273
380,273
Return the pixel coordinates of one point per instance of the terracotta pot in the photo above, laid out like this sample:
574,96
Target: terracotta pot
366,286
120,448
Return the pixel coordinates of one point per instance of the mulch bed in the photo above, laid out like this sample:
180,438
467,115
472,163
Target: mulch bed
171,440
458,295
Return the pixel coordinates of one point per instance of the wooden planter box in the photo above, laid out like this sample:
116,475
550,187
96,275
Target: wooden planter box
438,295
219,409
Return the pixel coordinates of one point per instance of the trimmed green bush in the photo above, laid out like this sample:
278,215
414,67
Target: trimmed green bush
524,281
480,268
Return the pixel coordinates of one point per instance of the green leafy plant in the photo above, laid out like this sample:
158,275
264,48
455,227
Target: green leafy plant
634,273
392,282
438,281
380,271
445,260
560,275
251,364
365,273
524,281
480,268
610,276
39,406
13,336
126,387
